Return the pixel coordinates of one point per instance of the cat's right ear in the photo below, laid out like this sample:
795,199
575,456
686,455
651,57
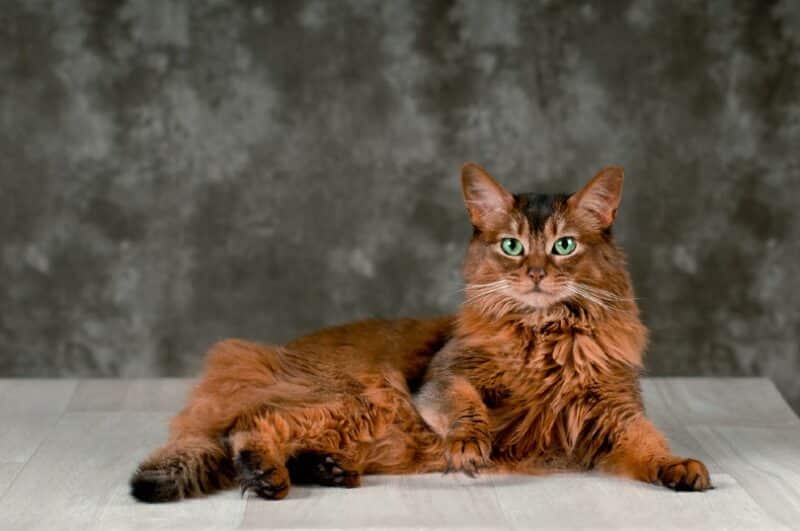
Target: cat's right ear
488,203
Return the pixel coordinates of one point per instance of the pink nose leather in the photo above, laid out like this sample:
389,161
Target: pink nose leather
537,274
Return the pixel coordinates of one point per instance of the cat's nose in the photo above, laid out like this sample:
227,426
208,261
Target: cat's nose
536,274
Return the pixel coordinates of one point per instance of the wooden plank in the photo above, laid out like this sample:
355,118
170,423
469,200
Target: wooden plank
564,501
29,410
221,511
27,397
98,395
766,462
164,394
78,478
21,436
432,501
716,401
584,501
78,464
155,395
8,471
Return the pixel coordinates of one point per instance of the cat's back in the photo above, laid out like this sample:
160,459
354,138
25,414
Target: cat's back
403,344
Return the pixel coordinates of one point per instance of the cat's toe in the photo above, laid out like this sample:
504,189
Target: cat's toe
685,475
332,474
468,455
322,469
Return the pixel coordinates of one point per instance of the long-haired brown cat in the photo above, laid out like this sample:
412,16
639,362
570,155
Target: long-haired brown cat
538,371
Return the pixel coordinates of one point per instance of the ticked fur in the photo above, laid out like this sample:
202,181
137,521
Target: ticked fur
542,370
539,370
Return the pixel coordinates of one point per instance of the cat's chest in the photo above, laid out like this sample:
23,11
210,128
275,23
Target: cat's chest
541,373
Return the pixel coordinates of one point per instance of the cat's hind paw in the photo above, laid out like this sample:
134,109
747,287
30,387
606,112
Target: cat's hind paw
322,469
268,480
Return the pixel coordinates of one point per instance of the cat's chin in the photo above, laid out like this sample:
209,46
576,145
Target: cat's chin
538,300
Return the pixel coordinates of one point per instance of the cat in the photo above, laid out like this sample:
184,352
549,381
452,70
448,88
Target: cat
538,371
542,369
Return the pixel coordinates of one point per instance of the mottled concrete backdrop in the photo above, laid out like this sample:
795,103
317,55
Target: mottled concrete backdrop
176,172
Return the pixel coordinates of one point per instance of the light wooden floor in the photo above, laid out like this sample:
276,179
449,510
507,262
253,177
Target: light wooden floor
67,448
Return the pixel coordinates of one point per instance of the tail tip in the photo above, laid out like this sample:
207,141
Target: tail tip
152,486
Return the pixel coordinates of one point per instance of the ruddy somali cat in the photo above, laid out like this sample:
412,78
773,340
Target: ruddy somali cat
538,371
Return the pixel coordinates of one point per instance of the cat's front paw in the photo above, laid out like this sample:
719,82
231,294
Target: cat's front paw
684,475
467,454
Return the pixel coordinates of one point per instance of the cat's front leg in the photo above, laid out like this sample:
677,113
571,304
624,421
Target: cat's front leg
640,451
454,409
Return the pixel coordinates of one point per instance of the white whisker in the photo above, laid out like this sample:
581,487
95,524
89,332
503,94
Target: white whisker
601,293
586,295
476,294
481,296
602,298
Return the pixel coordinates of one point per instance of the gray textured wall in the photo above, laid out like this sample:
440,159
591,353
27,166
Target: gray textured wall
176,172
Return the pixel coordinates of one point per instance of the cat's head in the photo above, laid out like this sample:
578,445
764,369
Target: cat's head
532,251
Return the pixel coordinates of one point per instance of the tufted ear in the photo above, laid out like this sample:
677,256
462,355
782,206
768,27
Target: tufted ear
488,203
600,198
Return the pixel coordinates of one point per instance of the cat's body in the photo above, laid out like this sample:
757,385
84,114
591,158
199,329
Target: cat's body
262,412
538,371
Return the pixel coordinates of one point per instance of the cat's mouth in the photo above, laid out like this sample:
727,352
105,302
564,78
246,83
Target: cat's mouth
538,298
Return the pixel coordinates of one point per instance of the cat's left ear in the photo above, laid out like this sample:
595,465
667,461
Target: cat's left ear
600,198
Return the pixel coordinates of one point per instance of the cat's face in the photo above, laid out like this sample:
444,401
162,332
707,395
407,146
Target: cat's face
531,251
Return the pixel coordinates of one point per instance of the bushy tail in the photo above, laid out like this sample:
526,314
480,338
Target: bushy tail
183,468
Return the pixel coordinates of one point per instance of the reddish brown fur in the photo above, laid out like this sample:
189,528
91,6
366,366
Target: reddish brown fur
341,391
544,363
521,381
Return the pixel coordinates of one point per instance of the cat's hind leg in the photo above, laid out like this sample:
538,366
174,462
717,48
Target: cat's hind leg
265,446
349,428
240,376
314,468
258,471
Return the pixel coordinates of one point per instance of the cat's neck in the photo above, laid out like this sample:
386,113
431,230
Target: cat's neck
474,318
620,332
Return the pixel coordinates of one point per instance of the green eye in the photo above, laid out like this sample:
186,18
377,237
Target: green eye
565,246
511,246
